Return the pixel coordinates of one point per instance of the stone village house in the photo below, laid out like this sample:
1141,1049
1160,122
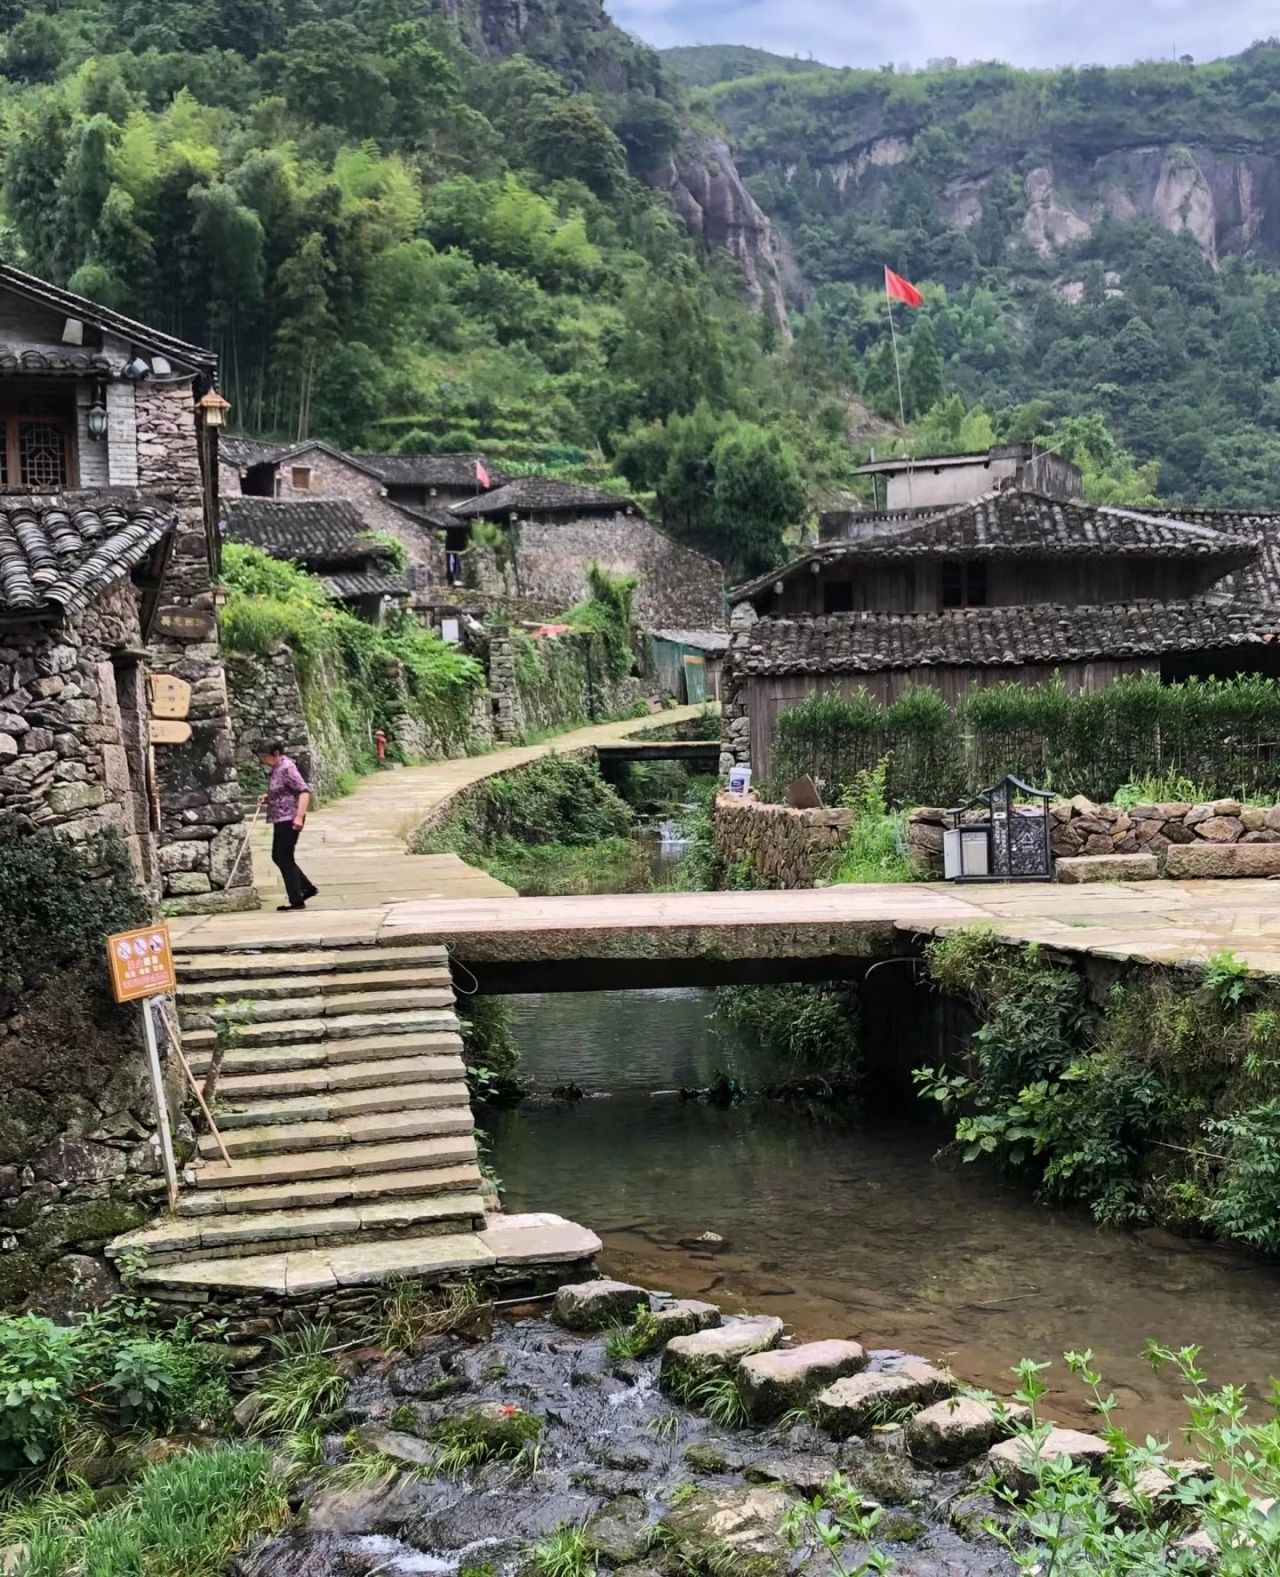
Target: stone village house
113,702
1013,585
550,532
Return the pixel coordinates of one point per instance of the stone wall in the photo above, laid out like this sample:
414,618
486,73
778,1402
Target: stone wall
783,847
678,588
200,811
556,682
1082,828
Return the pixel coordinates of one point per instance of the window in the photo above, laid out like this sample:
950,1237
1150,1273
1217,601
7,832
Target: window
300,478
964,583
837,596
36,456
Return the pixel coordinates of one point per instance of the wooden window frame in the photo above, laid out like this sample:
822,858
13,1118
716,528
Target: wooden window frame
295,471
10,423
973,583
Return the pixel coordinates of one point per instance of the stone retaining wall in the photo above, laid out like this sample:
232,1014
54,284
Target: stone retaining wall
784,848
1082,828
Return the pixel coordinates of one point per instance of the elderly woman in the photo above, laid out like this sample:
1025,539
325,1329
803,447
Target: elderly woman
287,800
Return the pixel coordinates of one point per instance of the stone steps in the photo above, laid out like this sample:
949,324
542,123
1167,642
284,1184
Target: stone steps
341,1005
333,1134
254,988
349,1161
242,1233
300,1194
287,1032
507,1243
340,1104
276,965
235,1088
330,1054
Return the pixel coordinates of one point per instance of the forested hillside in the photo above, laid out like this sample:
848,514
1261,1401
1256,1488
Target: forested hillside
413,224
1103,243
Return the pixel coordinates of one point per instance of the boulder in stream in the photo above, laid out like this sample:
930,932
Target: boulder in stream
739,1530
621,1531
595,1305
690,1359
683,1317
1014,1461
854,1405
952,1431
773,1382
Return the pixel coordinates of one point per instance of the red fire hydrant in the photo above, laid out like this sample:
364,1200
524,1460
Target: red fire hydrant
380,745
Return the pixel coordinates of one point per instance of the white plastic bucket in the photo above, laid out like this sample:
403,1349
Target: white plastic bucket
739,780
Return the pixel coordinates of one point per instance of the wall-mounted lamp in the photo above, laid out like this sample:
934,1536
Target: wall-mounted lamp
214,409
95,420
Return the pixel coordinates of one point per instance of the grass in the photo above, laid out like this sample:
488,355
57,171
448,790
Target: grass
666,1426
719,1398
303,1385
875,850
555,870
637,1340
186,1516
563,1554
412,1313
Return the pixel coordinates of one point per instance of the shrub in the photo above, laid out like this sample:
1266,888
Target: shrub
875,850
607,613
814,1028
304,1383
39,1368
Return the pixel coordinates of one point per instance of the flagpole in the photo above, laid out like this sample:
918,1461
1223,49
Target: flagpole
897,364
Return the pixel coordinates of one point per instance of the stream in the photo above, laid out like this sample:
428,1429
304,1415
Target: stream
842,1224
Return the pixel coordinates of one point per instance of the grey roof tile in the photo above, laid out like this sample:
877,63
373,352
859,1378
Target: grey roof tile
62,552
541,495
316,531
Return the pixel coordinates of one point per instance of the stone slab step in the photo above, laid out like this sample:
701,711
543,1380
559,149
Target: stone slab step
331,1054
372,1128
292,1031
341,1161
246,1232
358,1189
339,1104
227,964
523,1242
299,942
317,1005
336,982
235,1088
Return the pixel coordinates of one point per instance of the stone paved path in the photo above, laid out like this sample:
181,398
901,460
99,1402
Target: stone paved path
354,848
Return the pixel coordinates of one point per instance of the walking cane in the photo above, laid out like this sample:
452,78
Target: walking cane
230,881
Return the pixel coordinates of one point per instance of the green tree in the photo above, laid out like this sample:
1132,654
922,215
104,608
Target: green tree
35,49
649,130
567,140
923,377
759,493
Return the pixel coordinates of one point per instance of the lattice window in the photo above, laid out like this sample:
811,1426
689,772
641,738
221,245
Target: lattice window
42,455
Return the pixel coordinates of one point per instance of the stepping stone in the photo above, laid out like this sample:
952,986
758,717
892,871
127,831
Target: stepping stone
773,1382
1014,1461
595,1305
857,1404
539,1239
690,1359
1155,1491
684,1317
951,1432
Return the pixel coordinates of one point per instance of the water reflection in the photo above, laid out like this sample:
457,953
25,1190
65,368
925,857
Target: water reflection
844,1225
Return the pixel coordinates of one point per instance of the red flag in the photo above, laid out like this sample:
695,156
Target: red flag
899,289
482,476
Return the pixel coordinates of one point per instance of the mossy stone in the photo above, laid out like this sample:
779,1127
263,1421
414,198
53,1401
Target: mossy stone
704,1456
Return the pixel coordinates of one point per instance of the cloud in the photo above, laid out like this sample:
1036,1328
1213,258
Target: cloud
1025,32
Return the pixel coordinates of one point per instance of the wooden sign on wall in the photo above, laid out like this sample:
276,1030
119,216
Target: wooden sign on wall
170,696
186,624
168,731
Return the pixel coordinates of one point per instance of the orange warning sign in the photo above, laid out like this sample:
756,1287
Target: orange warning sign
141,963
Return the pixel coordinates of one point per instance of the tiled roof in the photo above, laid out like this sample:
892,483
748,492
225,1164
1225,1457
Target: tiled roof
1014,523
541,495
869,642
311,531
60,553
715,641
430,470
245,452
56,358
436,517
73,306
365,583
1256,582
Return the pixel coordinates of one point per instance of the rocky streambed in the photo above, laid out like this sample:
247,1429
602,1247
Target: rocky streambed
485,1457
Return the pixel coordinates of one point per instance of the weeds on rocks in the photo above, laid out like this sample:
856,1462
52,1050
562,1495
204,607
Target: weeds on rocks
303,1385
490,1432
833,1520
563,1554
719,1398
414,1313
666,1426
637,1340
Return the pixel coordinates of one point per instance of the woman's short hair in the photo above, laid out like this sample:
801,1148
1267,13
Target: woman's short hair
271,747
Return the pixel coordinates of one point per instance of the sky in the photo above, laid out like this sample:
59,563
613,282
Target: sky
1023,32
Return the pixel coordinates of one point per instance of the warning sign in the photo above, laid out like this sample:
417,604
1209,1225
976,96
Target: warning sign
141,963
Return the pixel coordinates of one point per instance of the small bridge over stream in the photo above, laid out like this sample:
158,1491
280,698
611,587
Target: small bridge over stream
352,1153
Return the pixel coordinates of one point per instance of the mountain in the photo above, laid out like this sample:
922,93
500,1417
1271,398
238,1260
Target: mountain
1100,242
703,65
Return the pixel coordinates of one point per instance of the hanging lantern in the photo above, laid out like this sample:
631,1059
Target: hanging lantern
95,421
214,409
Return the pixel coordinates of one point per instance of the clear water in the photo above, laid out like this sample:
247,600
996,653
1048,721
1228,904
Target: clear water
843,1224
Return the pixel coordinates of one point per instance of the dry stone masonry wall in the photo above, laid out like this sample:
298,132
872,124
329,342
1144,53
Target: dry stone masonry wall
784,848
